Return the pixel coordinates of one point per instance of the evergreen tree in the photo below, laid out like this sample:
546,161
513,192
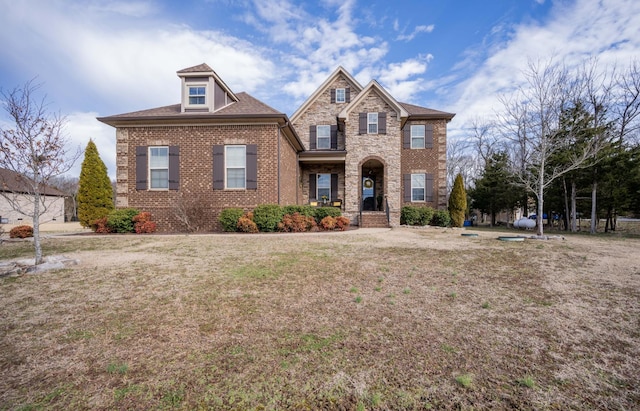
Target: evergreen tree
496,190
458,202
95,195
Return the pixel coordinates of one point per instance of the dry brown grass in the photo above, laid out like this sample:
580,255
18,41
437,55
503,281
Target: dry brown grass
400,319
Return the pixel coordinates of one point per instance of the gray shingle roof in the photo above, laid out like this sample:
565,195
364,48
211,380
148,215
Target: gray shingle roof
200,68
11,181
419,111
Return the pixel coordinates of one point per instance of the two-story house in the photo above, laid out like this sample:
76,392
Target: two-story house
349,146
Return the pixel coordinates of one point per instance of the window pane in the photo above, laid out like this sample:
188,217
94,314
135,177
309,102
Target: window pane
324,192
417,194
159,178
324,180
417,187
340,95
235,178
197,95
417,142
372,120
235,156
158,157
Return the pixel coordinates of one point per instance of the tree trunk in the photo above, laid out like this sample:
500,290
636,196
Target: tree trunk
36,229
574,217
539,216
594,214
566,205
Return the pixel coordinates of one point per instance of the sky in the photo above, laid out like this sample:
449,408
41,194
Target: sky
103,57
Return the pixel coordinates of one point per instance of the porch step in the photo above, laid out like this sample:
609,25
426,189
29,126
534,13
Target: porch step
374,219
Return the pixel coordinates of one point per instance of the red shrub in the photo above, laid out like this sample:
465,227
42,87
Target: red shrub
100,226
342,223
143,224
245,225
21,231
296,223
328,223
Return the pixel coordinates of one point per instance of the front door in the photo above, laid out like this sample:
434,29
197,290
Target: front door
368,193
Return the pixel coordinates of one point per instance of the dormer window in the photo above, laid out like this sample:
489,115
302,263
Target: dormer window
197,95
340,95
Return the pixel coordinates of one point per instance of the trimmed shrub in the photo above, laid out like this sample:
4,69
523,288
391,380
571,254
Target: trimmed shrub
100,226
441,218
121,221
229,218
267,217
342,223
142,223
304,210
426,214
410,215
322,212
95,194
296,223
21,231
246,225
458,202
328,223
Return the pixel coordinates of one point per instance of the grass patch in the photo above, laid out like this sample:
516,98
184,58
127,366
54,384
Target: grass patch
465,380
527,381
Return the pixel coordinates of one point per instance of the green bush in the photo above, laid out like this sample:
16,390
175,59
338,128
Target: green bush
21,231
441,218
410,215
304,210
458,202
229,218
426,215
322,212
267,217
121,221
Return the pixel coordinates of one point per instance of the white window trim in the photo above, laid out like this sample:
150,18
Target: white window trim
328,137
424,135
318,197
206,95
424,188
344,95
370,123
150,169
226,167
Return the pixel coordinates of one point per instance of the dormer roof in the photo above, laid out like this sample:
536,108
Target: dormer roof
340,71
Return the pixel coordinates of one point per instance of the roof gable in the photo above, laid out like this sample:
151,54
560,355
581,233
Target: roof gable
340,71
384,94
10,181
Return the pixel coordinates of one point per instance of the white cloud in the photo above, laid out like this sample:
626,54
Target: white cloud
417,30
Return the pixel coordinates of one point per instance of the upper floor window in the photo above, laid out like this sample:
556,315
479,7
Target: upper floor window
197,95
372,123
159,167
418,187
341,96
417,136
323,137
235,166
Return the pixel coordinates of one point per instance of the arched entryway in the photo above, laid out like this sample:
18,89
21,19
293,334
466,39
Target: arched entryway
372,184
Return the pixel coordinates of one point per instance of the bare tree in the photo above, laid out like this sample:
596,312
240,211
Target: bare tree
627,107
460,160
531,122
33,147
69,186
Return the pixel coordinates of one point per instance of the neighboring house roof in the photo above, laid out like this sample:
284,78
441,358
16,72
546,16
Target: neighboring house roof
340,71
384,94
10,181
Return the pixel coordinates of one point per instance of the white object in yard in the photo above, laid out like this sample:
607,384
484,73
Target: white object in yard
524,223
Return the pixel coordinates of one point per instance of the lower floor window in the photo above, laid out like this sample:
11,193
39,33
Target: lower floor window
324,187
235,158
417,187
159,167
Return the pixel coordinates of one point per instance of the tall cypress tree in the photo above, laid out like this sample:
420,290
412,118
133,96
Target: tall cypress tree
95,195
458,202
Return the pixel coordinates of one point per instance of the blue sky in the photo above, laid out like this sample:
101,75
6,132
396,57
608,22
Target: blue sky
104,57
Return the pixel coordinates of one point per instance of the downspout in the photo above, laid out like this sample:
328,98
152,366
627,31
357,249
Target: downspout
278,146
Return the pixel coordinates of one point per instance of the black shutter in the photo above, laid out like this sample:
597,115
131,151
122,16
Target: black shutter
252,167
406,136
363,123
428,136
406,182
347,95
141,167
174,167
218,167
382,123
334,137
313,139
333,95
428,187
334,187
312,187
